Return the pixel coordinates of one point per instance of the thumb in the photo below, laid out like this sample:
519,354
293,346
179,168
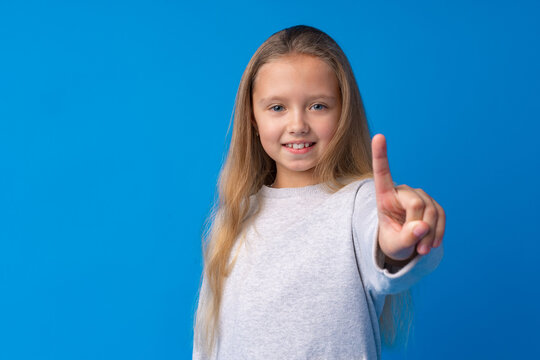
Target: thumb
413,231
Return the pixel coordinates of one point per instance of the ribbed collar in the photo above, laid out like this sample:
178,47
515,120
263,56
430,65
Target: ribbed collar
309,190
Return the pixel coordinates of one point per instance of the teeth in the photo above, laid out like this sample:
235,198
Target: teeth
299,146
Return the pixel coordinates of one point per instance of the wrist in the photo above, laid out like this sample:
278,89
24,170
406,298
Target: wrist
388,260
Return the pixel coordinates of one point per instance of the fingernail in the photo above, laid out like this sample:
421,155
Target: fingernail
420,231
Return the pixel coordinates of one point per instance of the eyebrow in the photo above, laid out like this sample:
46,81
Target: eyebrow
271,98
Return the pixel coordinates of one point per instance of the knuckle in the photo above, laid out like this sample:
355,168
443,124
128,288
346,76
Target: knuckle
417,204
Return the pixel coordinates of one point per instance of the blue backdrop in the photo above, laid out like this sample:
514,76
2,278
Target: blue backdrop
113,128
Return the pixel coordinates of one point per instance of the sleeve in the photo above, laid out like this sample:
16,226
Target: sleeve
377,276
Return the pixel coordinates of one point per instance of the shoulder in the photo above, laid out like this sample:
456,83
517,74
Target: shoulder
358,194
361,187
363,194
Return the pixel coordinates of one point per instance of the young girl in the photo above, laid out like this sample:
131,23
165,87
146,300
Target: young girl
312,249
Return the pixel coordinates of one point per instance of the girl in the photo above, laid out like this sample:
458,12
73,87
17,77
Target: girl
312,249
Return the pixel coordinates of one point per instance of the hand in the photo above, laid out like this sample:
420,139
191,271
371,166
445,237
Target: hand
409,219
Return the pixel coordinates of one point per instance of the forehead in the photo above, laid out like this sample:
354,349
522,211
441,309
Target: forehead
295,73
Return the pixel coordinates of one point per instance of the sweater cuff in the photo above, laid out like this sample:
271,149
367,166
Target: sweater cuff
391,270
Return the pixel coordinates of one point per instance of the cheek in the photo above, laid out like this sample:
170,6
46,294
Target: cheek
269,145
269,134
270,138
327,132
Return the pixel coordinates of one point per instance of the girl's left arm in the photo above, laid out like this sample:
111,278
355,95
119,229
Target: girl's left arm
410,221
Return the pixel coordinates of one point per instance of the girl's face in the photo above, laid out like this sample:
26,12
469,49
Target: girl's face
296,102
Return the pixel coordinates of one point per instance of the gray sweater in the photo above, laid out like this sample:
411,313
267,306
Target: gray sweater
309,280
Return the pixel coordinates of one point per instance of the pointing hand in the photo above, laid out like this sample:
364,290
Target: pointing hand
409,219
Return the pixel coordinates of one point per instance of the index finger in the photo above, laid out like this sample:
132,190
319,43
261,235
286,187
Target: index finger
381,168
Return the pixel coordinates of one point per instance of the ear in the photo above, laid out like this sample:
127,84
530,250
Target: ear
254,124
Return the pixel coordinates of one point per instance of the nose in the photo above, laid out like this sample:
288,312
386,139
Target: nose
298,123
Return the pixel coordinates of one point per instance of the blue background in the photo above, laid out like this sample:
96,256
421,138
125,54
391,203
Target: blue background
113,128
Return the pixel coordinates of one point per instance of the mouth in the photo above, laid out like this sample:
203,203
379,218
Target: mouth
299,145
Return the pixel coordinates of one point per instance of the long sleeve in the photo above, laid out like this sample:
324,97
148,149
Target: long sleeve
376,277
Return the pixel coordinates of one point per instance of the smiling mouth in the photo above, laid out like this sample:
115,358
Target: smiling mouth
300,146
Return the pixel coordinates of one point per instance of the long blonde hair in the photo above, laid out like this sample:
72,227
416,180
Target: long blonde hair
248,167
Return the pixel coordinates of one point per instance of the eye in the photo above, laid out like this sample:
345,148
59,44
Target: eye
275,106
322,106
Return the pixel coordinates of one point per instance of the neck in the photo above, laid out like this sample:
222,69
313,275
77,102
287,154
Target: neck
286,178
